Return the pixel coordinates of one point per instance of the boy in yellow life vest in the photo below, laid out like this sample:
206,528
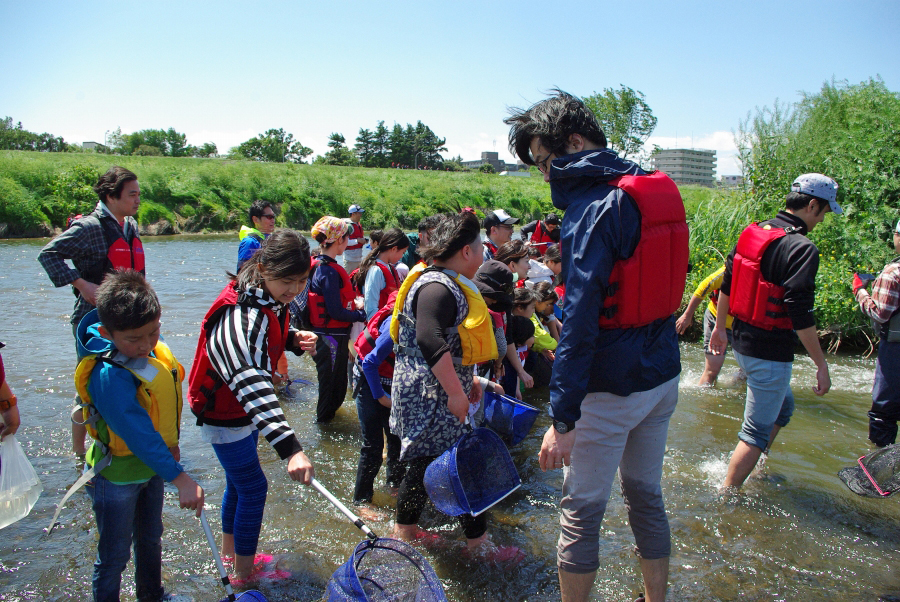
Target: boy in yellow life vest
130,384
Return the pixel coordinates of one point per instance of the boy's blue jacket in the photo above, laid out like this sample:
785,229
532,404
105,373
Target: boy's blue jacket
601,225
114,393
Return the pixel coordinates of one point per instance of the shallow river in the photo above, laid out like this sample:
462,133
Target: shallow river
796,534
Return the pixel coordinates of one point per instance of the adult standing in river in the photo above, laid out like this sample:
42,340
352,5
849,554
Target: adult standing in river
770,288
615,378
262,223
498,229
354,252
106,240
883,307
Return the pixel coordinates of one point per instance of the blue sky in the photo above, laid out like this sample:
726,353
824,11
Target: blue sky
225,71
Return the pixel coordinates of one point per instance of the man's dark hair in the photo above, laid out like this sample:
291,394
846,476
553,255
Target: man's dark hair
427,224
258,207
552,121
283,254
452,233
798,200
111,183
126,301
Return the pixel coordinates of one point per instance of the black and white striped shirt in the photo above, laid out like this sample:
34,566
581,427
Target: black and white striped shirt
238,350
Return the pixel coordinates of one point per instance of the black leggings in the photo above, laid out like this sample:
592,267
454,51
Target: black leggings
332,373
412,497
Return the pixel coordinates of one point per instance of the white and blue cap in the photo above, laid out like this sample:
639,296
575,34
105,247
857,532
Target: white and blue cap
355,209
820,186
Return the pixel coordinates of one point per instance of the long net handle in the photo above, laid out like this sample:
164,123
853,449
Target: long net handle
223,574
346,511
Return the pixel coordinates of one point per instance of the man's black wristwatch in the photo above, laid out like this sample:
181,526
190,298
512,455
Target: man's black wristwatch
563,427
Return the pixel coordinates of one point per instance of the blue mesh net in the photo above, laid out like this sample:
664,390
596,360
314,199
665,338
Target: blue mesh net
509,417
385,570
473,475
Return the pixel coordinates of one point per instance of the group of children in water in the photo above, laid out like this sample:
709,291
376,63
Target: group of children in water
424,329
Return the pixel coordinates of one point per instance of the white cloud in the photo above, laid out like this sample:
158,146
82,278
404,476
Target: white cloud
722,142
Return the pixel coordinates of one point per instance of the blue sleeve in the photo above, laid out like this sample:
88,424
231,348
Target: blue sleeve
114,393
328,282
373,287
384,345
248,247
597,234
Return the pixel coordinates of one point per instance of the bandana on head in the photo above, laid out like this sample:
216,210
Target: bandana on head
332,227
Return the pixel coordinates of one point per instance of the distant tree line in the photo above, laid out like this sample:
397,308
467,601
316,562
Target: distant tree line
15,137
155,143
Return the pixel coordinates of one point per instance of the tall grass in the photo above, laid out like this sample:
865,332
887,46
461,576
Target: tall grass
214,194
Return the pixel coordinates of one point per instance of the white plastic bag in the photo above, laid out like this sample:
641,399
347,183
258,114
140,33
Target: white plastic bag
19,483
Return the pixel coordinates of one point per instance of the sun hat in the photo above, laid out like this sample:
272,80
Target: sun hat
332,227
820,186
495,280
355,209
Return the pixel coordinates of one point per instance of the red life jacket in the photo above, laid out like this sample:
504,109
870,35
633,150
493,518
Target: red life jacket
365,342
318,314
391,282
648,285
541,239
120,254
753,299
356,233
212,402
491,246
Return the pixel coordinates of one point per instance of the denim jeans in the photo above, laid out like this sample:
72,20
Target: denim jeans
128,514
373,422
769,398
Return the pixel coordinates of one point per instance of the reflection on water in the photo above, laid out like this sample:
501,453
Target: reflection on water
795,533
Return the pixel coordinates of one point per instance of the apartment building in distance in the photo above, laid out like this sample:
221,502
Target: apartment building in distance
494,159
687,165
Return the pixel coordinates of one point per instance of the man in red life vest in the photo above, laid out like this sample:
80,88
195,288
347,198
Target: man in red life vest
97,244
770,288
498,229
541,233
615,378
354,252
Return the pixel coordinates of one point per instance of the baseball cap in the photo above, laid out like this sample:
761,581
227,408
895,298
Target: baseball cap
355,209
495,280
820,186
552,218
497,217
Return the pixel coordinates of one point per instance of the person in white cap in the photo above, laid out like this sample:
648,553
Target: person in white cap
883,307
353,254
769,287
498,229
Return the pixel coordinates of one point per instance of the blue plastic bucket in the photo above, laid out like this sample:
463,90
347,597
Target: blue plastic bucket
508,417
473,475
382,570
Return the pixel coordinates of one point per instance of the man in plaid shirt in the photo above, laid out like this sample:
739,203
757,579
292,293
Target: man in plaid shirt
883,307
96,244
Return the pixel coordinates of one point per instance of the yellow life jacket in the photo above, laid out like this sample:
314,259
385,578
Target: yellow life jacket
158,392
476,332
248,230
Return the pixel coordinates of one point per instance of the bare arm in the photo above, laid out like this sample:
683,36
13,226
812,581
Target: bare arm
687,318
810,340
457,400
718,339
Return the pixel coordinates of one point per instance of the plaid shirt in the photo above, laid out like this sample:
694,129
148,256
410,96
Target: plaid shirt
885,297
85,245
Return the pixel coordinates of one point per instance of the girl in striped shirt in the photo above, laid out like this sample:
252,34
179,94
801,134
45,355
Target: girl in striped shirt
231,391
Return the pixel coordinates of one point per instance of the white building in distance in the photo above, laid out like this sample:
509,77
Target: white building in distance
687,165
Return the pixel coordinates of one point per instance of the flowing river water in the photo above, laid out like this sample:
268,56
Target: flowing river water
795,533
